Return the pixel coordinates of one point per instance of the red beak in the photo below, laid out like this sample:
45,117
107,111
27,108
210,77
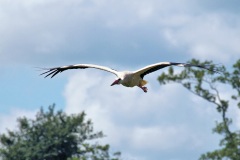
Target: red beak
115,82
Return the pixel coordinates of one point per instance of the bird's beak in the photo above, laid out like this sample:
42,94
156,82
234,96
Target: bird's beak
115,82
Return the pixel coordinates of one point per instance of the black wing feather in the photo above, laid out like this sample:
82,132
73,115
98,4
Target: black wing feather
153,70
54,71
157,67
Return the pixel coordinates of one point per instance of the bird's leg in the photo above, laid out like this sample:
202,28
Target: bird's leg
143,88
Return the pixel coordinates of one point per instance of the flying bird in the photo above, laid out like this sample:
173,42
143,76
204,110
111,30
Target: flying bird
125,78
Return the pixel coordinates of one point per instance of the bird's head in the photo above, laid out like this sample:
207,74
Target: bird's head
117,81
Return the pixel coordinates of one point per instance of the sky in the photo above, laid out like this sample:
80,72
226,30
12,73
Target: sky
166,123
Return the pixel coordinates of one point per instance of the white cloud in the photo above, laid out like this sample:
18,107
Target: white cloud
92,92
33,32
225,93
207,36
9,121
159,138
161,120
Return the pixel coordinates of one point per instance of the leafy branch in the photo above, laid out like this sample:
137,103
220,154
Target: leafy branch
203,83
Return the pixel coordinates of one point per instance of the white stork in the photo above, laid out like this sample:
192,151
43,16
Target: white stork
126,78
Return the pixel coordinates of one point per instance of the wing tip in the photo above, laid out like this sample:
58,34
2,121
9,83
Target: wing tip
50,72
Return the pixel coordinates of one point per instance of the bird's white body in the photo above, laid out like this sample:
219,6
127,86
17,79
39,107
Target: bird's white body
126,78
129,79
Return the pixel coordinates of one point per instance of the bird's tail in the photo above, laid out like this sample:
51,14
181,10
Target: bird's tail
143,82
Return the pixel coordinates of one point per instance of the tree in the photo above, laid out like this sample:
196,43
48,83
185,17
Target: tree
54,136
205,84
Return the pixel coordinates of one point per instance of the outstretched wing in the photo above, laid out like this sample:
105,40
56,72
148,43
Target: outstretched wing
54,71
154,67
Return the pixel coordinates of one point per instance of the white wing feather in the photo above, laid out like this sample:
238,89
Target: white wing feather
53,71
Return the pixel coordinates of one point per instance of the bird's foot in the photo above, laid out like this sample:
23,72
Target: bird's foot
145,89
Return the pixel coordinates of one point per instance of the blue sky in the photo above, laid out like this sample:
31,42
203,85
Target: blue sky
167,122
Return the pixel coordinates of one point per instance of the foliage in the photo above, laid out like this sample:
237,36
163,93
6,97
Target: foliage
54,136
205,83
